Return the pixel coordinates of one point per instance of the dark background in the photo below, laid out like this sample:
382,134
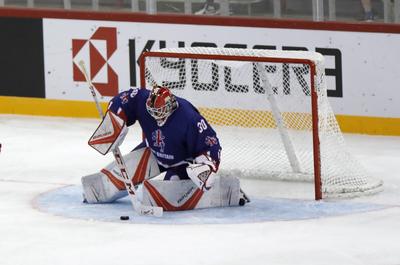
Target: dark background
21,57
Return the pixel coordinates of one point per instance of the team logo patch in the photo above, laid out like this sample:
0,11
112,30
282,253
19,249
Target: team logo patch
124,97
211,140
158,139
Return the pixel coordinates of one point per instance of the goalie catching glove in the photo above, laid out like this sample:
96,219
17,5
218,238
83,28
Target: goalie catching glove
200,172
110,134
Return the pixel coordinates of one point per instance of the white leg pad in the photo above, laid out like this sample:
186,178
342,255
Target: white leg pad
185,195
140,165
108,185
97,188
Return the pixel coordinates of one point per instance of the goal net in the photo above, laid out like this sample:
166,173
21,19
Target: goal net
271,113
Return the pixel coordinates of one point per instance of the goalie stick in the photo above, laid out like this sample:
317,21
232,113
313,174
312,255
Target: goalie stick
137,206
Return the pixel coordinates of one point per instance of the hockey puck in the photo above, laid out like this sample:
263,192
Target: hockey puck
124,217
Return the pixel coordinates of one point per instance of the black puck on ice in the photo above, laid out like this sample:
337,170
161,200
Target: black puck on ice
124,217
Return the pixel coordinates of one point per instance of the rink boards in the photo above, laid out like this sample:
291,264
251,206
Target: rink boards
42,76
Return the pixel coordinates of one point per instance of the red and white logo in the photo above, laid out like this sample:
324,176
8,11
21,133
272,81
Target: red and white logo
211,140
96,52
158,139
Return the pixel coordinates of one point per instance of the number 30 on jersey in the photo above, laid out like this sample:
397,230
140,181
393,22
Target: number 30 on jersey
202,125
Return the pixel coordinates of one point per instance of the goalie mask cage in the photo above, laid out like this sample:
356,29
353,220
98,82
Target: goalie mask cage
270,111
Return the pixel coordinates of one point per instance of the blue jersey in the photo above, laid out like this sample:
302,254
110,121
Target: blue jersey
185,135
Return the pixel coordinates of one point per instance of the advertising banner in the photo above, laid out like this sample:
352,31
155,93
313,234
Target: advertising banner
361,67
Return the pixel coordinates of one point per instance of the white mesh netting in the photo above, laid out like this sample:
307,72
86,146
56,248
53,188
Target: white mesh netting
259,102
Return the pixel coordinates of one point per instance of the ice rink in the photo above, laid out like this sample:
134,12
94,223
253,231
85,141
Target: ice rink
42,157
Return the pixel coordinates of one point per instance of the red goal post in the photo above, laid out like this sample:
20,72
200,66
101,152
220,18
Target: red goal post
195,72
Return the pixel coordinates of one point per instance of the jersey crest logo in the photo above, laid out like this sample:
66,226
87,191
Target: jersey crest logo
211,141
158,139
124,97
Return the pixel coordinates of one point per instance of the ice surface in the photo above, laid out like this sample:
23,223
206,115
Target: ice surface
42,160
67,201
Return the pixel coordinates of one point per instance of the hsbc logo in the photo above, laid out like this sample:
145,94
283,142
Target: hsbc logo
96,52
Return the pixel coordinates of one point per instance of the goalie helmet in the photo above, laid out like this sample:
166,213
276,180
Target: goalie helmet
160,104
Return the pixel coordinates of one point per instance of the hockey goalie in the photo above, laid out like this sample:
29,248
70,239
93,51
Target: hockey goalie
175,165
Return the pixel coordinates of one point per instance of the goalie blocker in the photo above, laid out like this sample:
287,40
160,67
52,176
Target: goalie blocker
174,195
109,134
